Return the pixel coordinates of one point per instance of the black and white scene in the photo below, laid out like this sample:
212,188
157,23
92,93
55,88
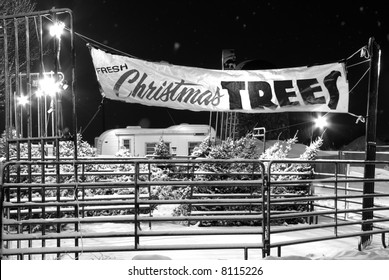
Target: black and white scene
247,132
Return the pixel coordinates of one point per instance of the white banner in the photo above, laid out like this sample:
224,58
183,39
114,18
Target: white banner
322,88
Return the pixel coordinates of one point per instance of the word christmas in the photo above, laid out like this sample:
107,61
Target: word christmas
318,88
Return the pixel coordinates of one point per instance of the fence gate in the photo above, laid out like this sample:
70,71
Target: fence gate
37,83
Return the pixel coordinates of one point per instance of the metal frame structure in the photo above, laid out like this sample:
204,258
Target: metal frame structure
30,54
29,123
133,185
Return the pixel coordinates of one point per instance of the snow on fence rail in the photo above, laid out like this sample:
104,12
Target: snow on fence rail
46,215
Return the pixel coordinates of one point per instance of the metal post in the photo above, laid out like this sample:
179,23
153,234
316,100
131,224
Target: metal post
7,92
370,150
21,105
234,129
17,86
41,115
15,114
73,84
136,206
216,125
209,124
2,196
226,125
221,126
55,97
46,122
28,80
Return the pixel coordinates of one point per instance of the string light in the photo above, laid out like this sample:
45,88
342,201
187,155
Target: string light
23,100
321,122
49,86
56,29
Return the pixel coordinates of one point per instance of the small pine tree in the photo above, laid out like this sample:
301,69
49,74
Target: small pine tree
278,150
203,149
310,153
84,149
225,150
312,150
161,150
246,147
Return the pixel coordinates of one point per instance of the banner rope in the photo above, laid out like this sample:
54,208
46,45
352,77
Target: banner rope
102,46
364,74
359,118
358,63
363,51
94,116
94,42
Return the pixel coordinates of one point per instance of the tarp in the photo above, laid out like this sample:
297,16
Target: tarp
321,88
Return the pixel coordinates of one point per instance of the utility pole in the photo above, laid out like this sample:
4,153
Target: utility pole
370,150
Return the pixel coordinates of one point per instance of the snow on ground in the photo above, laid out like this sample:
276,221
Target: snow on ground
336,249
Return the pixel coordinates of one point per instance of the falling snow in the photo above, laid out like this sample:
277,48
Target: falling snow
176,46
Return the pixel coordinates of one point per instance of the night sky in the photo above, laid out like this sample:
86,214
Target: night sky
194,33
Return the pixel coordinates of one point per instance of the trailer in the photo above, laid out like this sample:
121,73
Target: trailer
140,142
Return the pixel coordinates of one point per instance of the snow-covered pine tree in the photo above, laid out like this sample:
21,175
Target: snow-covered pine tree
203,149
161,150
245,148
310,153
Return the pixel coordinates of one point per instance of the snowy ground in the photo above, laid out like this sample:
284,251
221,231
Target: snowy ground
340,249
337,249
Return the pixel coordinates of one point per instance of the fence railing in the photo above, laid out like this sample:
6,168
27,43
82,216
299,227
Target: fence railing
112,205
336,200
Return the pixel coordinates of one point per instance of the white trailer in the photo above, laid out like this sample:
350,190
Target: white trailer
140,142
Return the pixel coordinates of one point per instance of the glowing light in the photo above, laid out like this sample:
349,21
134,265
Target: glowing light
39,93
56,29
49,86
321,122
64,85
23,100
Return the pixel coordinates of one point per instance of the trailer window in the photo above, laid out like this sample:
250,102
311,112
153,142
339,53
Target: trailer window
191,146
126,144
150,148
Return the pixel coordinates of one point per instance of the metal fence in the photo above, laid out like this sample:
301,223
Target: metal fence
49,216
336,202
45,208
38,76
